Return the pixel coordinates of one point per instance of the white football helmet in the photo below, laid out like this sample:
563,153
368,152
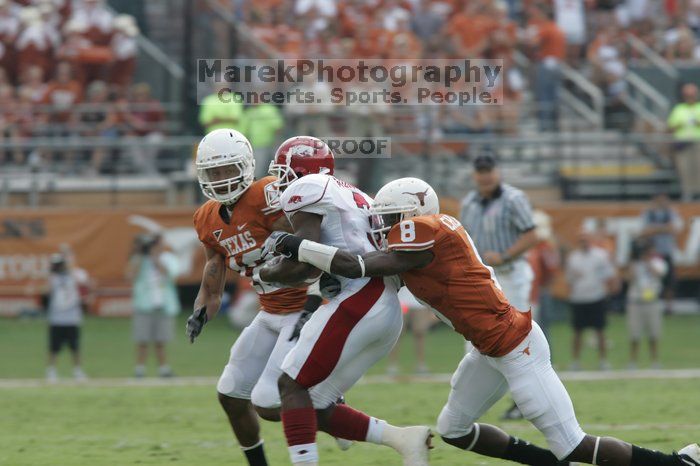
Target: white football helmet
402,199
225,165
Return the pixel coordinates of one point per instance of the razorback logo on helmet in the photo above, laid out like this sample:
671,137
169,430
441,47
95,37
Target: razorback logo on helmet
302,150
295,199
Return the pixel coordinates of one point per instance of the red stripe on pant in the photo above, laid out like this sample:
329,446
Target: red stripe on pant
326,352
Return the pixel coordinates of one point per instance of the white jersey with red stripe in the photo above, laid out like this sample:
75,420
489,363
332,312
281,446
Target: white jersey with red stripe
361,324
345,210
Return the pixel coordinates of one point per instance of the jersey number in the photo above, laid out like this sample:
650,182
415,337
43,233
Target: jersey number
408,231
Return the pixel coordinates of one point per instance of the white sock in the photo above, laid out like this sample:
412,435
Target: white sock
375,430
392,436
306,453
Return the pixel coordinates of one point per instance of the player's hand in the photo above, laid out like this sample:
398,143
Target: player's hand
195,323
329,285
272,243
303,318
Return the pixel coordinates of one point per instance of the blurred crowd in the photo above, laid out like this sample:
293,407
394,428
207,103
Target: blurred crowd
66,69
594,36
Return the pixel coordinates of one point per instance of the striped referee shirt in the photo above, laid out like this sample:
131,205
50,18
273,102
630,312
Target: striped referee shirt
496,223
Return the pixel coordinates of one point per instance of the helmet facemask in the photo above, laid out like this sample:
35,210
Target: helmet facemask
285,176
385,217
226,180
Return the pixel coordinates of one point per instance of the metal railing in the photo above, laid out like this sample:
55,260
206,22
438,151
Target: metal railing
646,102
651,56
580,164
592,108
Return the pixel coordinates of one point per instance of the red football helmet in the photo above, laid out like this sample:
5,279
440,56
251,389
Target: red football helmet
296,157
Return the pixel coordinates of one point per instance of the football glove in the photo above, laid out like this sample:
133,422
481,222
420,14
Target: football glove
270,247
329,285
195,323
284,243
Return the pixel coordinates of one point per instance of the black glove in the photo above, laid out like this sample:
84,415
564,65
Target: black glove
329,285
303,318
280,242
196,322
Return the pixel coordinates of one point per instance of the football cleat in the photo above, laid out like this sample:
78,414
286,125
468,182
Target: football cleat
690,455
412,443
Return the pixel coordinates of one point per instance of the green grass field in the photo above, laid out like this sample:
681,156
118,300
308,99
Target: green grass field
173,424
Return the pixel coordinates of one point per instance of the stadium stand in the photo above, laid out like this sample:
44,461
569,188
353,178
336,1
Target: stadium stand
589,85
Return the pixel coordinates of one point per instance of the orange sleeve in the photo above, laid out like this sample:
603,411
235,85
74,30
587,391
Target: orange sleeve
416,234
201,225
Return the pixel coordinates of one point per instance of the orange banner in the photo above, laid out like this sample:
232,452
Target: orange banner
102,240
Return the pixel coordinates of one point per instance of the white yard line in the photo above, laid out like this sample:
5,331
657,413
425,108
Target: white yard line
368,380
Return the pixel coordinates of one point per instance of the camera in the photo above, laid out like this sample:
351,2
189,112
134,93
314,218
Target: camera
144,243
640,247
58,263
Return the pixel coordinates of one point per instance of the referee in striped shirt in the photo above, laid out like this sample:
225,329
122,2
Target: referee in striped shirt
498,217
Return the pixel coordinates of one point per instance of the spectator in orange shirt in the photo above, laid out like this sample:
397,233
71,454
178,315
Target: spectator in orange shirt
469,30
548,47
61,95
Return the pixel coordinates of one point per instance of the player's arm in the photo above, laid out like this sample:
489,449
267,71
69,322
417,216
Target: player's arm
306,226
378,263
340,262
208,300
281,224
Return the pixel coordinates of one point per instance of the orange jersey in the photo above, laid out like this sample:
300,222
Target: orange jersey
240,237
458,285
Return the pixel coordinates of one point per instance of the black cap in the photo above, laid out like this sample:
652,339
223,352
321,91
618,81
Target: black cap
484,162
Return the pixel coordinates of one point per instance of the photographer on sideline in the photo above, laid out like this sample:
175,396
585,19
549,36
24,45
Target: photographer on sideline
152,271
65,315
